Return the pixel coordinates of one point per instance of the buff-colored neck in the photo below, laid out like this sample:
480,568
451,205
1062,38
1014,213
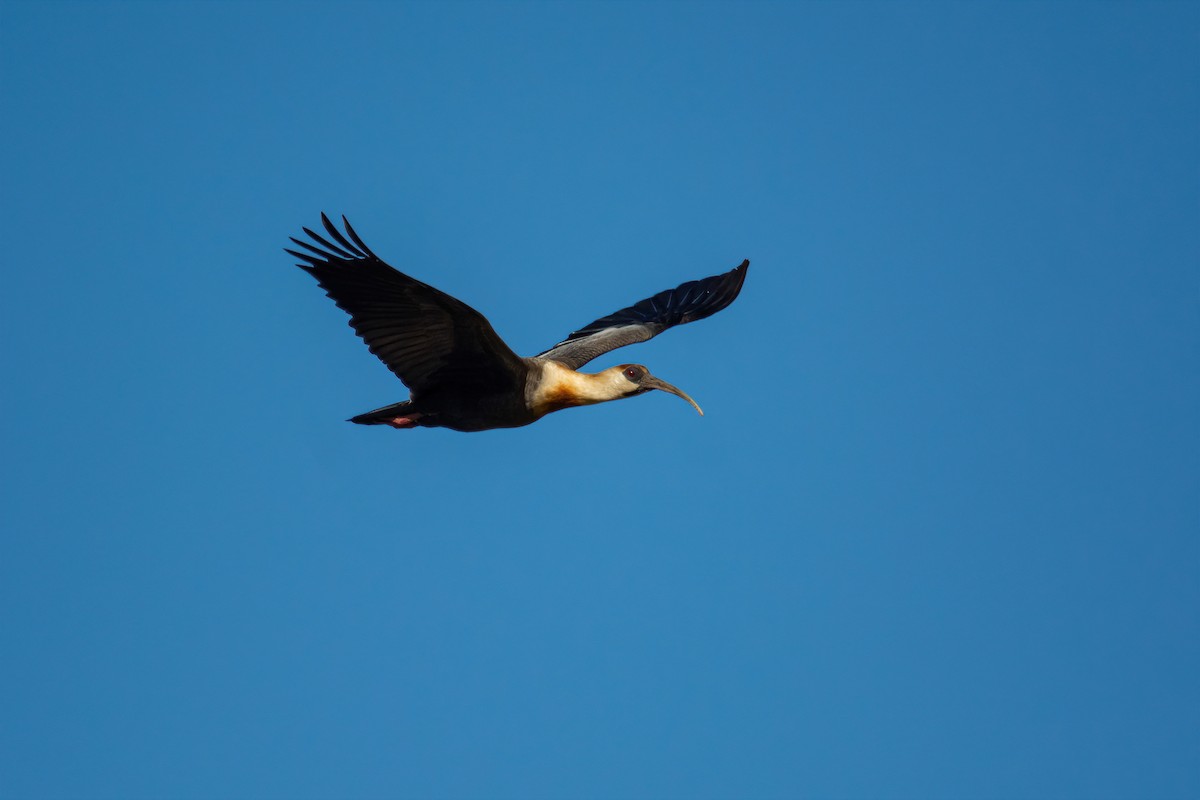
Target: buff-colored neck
561,388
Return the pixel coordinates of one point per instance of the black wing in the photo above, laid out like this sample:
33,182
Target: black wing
644,320
426,337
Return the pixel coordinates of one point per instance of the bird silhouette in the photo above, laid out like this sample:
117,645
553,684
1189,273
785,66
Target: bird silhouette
460,373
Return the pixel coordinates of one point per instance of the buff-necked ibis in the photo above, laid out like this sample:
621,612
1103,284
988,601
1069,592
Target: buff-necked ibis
460,374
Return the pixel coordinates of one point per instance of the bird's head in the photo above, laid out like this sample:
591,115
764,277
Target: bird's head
631,379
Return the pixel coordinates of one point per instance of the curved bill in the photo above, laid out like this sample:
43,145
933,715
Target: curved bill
651,382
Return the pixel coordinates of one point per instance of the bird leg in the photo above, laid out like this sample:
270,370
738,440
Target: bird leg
407,421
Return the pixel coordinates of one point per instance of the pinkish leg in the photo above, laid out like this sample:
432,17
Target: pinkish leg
404,422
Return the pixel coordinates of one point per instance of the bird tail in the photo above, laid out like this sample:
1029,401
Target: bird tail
385,415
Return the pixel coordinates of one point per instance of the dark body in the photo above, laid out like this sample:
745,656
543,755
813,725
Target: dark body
467,406
460,373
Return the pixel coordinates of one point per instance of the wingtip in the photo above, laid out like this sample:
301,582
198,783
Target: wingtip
357,239
306,267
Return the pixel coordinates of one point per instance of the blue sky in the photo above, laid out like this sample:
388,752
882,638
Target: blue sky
936,537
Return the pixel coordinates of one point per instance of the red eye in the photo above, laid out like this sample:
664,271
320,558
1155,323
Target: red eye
631,373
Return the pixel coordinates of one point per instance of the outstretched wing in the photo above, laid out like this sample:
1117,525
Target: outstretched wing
646,319
426,337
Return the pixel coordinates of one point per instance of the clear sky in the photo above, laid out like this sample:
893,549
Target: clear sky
938,535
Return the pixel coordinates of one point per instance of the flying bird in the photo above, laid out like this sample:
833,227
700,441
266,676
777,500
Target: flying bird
460,374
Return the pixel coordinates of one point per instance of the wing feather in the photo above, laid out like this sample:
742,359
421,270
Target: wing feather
329,246
356,238
647,318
